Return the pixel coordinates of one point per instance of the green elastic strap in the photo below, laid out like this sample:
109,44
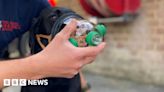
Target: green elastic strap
91,36
101,29
73,41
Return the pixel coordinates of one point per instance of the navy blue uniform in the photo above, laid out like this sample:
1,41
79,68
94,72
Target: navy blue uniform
15,19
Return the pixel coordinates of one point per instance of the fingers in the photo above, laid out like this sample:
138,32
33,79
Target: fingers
69,29
92,51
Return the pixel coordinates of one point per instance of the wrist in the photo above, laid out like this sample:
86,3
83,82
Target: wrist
35,67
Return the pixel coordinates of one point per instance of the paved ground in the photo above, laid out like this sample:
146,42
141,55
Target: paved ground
104,84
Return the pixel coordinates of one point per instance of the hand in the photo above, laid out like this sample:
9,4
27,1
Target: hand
61,59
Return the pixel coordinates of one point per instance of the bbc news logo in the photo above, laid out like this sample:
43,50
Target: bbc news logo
24,82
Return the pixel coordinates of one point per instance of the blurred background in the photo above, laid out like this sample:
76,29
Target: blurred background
133,60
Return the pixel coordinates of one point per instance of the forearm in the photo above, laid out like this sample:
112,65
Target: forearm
84,85
19,68
83,81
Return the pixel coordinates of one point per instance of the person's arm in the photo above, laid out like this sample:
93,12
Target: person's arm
84,84
26,68
59,59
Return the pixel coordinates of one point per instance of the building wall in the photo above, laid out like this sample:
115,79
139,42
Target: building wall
134,50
